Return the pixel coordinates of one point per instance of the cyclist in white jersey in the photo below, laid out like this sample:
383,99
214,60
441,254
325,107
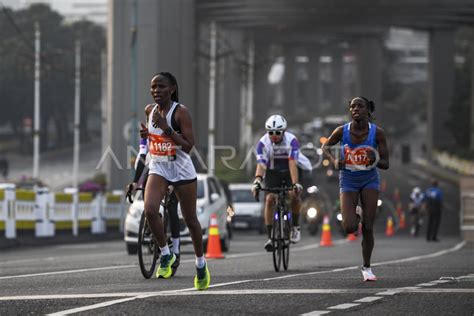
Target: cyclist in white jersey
170,139
278,156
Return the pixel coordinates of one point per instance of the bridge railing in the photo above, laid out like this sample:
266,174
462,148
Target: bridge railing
47,212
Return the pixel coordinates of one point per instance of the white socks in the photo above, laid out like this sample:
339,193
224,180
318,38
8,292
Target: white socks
175,242
165,250
200,262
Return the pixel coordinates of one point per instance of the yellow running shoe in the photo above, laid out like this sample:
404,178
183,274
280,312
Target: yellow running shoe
164,270
202,278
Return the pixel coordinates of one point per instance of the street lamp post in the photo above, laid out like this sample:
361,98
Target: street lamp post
37,113
212,99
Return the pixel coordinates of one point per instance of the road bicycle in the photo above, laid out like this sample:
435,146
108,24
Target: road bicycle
281,229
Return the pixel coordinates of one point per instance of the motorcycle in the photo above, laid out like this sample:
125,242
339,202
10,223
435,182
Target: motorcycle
314,209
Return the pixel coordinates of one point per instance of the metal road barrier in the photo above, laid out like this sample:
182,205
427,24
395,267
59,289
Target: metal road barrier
47,212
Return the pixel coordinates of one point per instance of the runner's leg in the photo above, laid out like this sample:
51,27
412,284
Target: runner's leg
156,187
186,194
369,199
349,202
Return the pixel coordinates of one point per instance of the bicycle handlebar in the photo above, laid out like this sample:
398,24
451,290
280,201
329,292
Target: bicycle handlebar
277,190
129,193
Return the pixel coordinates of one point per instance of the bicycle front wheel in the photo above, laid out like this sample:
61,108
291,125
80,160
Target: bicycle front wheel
277,244
147,248
285,241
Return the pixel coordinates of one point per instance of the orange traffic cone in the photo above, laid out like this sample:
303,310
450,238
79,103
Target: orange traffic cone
213,241
326,240
402,223
389,229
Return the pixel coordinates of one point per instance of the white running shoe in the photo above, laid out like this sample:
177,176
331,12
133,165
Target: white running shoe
295,234
368,274
268,245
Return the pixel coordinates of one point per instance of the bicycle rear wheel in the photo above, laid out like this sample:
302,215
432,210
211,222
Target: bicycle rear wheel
277,244
286,242
148,250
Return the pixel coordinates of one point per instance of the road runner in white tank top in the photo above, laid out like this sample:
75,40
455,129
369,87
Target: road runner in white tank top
168,159
171,138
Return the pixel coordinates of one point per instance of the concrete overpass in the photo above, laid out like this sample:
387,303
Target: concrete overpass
173,35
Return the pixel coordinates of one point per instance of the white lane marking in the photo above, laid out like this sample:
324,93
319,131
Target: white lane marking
251,254
100,305
82,256
439,253
68,296
428,256
272,291
188,292
27,260
293,249
109,303
398,290
66,272
343,306
368,299
426,284
443,291
316,313
440,281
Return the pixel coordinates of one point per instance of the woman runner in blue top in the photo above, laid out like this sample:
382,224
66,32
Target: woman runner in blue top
363,149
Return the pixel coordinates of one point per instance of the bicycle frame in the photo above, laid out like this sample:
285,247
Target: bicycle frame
281,228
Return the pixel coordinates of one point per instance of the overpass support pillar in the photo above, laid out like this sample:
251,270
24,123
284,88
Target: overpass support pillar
314,85
440,87
337,103
471,134
228,91
165,41
289,81
263,99
369,65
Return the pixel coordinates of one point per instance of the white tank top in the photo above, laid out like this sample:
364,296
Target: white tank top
167,159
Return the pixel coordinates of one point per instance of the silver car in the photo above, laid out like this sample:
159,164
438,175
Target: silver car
248,212
210,199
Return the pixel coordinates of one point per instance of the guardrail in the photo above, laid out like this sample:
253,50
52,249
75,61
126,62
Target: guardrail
46,212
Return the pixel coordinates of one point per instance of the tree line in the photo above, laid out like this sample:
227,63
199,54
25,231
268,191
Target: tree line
58,38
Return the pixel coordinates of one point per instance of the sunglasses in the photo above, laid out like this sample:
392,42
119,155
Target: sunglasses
271,133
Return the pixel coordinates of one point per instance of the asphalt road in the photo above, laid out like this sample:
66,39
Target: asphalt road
414,277
100,278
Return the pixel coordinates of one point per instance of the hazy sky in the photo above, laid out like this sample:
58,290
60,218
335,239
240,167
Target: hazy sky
94,10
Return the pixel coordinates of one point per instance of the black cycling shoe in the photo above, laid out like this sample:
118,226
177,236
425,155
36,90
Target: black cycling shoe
175,265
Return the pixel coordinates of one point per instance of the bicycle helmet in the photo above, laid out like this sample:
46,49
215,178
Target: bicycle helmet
275,123
416,190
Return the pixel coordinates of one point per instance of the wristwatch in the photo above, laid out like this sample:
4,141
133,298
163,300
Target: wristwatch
168,131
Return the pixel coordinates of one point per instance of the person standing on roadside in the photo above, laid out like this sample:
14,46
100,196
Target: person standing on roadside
434,205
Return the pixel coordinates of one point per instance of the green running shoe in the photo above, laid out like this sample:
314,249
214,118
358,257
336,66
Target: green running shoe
202,278
175,265
164,270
